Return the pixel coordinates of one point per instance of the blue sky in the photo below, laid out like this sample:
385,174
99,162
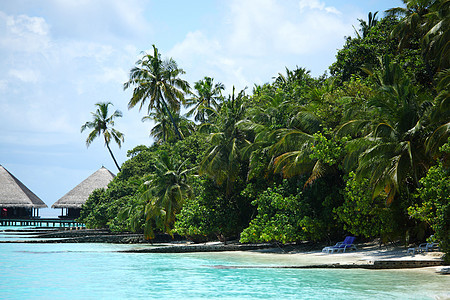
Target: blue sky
58,58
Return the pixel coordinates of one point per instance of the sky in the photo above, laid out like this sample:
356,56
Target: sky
60,57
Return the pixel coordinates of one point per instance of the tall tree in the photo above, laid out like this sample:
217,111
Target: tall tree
223,159
366,26
163,130
414,17
159,82
391,151
102,124
429,20
208,96
164,192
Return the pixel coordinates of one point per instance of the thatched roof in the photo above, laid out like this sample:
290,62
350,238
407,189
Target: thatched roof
79,194
13,193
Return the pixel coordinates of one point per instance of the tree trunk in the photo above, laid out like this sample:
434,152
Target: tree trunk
170,116
110,152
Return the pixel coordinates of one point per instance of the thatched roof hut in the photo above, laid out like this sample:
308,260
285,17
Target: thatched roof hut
14,194
79,194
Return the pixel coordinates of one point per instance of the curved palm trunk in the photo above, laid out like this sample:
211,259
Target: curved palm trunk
171,117
110,152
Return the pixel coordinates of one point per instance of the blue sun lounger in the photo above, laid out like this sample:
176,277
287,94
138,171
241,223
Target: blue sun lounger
341,246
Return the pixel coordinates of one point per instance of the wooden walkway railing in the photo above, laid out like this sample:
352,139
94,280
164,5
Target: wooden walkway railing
41,222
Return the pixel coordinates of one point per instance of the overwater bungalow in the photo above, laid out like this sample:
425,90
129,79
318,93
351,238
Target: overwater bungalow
71,202
16,200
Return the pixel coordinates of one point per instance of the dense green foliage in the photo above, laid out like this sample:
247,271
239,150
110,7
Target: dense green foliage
433,206
210,214
287,212
363,215
300,158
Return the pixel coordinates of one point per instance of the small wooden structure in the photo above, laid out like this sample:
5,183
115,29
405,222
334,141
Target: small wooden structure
71,202
16,200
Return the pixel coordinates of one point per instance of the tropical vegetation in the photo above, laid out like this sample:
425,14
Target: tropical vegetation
102,124
362,151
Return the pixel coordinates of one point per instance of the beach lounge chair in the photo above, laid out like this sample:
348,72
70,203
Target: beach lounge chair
428,247
341,246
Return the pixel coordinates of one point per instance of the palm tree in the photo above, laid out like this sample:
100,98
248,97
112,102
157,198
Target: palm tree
208,96
284,131
293,150
440,116
296,77
102,124
366,26
265,122
163,130
164,192
390,148
435,41
222,160
159,82
429,19
414,16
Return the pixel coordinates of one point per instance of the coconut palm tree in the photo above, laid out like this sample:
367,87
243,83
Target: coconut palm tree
413,18
222,160
292,152
429,20
296,77
164,192
102,124
390,149
158,82
435,41
163,130
440,116
208,96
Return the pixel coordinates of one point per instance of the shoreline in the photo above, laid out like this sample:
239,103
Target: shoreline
294,256
368,257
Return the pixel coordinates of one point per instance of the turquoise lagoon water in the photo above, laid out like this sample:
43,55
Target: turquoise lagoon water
97,271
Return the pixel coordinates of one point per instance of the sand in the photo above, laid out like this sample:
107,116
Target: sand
366,254
360,257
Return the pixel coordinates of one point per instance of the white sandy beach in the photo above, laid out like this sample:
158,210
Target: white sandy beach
360,256
364,255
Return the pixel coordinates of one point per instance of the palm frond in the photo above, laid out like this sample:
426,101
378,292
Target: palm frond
293,163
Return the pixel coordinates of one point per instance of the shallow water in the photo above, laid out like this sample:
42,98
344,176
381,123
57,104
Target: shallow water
96,271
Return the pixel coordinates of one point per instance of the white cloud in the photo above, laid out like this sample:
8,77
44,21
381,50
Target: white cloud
253,26
195,45
112,75
279,32
50,83
201,56
23,33
99,20
267,28
23,25
313,33
316,5
25,75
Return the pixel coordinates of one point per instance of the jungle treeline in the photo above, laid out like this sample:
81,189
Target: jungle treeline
361,150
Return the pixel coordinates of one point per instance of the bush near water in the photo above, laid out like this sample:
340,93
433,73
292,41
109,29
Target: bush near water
362,151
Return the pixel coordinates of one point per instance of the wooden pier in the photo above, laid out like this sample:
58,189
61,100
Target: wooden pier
50,222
